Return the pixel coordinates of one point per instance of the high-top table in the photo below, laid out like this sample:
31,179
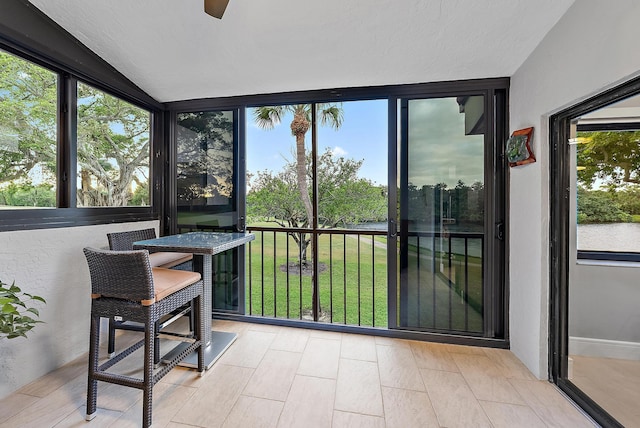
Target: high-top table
203,246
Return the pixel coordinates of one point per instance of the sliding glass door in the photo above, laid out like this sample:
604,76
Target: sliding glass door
379,209
450,229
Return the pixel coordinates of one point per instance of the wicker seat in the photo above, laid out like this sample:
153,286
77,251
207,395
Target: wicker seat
123,284
123,241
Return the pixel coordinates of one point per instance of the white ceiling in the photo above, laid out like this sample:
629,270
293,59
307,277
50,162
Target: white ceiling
174,51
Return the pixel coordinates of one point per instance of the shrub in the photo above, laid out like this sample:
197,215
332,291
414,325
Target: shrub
16,318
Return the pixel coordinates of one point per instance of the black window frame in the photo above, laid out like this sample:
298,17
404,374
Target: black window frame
66,214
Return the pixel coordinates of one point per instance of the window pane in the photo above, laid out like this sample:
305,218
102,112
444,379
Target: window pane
346,188
608,197
278,141
352,165
28,99
113,151
205,170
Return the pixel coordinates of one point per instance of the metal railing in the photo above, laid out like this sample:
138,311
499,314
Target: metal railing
347,282
348,278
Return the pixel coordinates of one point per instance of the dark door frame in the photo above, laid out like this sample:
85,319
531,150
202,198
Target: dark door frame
495,246
559,246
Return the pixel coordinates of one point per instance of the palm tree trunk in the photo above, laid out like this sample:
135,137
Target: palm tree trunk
301,170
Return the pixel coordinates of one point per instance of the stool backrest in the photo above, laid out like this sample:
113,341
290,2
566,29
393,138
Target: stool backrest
120,274
123,241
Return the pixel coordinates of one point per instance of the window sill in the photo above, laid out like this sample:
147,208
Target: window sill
609,263
51,218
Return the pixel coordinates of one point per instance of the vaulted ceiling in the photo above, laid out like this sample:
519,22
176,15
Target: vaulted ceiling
174,51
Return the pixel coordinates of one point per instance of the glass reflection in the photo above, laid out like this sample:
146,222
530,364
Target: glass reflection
205,170
205,191
442,270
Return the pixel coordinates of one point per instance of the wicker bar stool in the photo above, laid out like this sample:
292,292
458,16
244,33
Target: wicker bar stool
123,284
123,241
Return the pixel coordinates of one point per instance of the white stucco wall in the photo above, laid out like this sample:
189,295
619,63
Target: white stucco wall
594,46
50,263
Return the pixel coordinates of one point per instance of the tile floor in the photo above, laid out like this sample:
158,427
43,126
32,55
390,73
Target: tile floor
613,384
287,377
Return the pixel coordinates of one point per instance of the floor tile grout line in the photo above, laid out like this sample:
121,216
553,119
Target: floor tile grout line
262,398
384,413
430,400
473,393
426,388
295,373
185,401
335,394
503,377
40,399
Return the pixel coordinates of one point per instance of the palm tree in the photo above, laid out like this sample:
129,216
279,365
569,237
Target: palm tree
268,117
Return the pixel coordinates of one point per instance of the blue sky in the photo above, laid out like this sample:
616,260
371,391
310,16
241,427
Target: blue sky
362,136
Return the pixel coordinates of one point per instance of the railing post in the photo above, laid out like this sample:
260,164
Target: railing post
315,279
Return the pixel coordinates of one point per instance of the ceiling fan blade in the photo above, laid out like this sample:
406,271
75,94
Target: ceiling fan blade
215,8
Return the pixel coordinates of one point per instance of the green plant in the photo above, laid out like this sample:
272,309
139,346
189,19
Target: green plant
15,317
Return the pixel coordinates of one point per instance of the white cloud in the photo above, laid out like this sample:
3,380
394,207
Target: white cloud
338,151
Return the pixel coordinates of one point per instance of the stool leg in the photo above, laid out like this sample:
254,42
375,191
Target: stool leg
92,384
149,350
196,315
192,317
111,344
156,343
